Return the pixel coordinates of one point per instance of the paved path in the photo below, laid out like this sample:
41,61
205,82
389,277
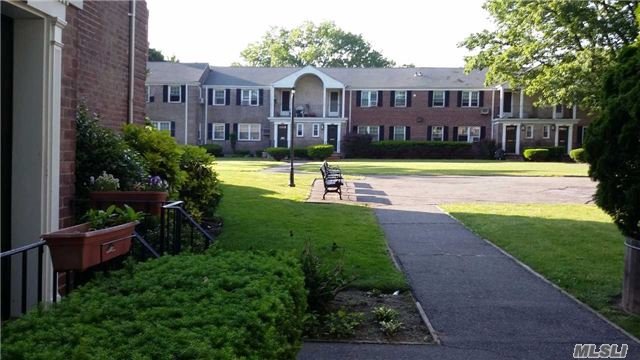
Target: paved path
482,303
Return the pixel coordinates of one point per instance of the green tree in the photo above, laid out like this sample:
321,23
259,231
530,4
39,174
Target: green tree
558,50
323,45
155,55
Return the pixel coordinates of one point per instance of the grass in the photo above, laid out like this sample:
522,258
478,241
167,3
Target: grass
575,246
262,212
456,167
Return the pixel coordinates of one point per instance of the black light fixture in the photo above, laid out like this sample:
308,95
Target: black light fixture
291,180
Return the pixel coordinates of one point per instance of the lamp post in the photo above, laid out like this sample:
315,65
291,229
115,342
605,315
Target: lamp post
291,181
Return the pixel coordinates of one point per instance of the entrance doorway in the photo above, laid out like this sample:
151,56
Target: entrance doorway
332,136
510,142
563,136
283,135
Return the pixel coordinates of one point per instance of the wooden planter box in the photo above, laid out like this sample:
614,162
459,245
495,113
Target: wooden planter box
149,202
77,248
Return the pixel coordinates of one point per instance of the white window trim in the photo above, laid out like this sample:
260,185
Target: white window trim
158,125
334,113
148,94
370,95
213,131
367,130
315,132
469,103
546,128
555,109
528,135
444,98
250,91
404,133
169,94
469,136
224,97
395,99
441,132
299,127
249,131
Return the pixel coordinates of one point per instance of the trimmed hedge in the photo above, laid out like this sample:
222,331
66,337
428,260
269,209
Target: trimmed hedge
213,149
578,155
320,152
300,153
277,153
556,153
420,149
536,154
221,305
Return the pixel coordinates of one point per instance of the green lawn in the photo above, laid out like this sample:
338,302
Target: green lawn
261,211
575,246
456,167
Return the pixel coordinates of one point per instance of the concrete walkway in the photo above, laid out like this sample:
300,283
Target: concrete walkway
482,303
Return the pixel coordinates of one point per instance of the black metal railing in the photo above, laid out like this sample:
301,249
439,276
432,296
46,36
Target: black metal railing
179,231
7,258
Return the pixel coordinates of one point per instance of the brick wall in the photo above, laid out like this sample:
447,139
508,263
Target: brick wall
95,63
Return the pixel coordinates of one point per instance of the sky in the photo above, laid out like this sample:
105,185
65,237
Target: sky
423,33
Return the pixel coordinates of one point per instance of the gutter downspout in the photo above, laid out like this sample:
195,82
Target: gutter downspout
186,114
350,102
132,55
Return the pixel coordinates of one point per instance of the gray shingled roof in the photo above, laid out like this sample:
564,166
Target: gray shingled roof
372,78
163,72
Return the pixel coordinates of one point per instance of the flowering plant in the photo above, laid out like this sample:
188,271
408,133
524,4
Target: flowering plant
105,182
153,183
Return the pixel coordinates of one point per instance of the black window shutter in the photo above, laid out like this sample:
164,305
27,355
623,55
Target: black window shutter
580,139
459,98
173,128
481,97
407,133
483,132
355,129
430,99
210,131
227,96
429,130
226,131
380,98
390,132
446,98
210,96
455,133
381,133
238,96
152,98
392,99
358,98
446,134
184,93
261,97
409,95
165,93
235,128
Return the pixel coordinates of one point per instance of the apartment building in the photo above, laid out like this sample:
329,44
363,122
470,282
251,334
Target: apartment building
253,106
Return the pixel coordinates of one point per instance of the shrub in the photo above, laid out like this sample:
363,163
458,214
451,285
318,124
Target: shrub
160,151
385,313
213,149
484,149
555,153
420,150
356,145
322,284
223,305
242,153
536,154
277,153
390,327
201,191
342,324
300,153
577,155
320,152
99,150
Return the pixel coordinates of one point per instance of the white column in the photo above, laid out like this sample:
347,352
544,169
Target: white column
575,112
324,101
504,137
326,126
344,97
518,128
289,134
557,130
206,113
272,97
501,101
275,134
186,113
339,137
521,103
570,139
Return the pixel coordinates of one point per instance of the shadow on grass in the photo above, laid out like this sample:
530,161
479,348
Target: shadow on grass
255,218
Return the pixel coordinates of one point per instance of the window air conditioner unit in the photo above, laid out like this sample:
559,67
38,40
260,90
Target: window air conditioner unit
484,111
201,100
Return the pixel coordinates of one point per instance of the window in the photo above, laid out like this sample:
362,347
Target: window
470,98
219,97
546,131
175,94
528,133
469,133
249,97
218,132
399,133
438,99
162,125
316,130
437,133
248,132
299,130
374,131
369,98
401,99
559,109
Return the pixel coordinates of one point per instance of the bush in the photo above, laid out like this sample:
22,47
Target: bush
536,154
99,150
242,153
277,153
342,324
213,149
577,155
201,191
356,145
300,153
420,150
160,151
322,284
224,305
320,152
484,149
556,153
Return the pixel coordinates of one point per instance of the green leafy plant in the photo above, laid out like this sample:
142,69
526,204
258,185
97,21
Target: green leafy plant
112,216
577,155
321,283
213,149
277,153
320,152
536,154
385,313
390,327
342,324
201,190
105,182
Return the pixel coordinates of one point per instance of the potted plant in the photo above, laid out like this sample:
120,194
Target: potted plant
106,235
148,196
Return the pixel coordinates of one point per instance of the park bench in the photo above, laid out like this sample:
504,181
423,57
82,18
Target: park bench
332,180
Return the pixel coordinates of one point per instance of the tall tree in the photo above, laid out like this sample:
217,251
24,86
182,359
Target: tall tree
155,55
558,50
309,44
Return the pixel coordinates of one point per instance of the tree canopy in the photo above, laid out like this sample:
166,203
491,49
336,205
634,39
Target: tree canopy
155,55
323,45
557,50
